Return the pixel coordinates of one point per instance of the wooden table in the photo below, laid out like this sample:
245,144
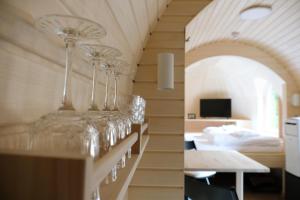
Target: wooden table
223,161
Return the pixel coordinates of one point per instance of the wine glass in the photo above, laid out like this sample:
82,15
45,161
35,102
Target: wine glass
111,128
97,55
118,68
125,115
67,130
135,111
138,106
96,194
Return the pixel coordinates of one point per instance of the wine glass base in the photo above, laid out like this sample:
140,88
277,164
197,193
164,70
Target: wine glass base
69,26
99,52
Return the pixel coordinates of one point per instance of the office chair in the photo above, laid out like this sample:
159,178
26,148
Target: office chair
190,145
196,190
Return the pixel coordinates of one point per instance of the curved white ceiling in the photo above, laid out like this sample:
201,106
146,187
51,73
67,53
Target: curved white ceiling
278,33
231,68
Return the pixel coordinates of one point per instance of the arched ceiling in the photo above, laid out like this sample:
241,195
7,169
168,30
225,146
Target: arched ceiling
234,69
247,83
232,77
278,33
128,23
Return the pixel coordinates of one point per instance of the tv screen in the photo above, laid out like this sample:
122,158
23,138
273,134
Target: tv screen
215,108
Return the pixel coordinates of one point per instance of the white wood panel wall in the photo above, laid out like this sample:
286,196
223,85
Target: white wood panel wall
160,173
32,64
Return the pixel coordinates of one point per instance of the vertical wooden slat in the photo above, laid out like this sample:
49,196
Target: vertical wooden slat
35,178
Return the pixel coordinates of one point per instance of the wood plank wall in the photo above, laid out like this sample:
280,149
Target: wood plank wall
160,173
32,64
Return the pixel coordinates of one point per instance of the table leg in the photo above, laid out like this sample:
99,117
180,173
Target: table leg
240,184
283,182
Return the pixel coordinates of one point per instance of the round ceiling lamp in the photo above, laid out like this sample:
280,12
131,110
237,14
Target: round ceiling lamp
255,12
235,35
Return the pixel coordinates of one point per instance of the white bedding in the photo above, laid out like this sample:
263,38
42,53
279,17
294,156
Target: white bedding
232,137
240,148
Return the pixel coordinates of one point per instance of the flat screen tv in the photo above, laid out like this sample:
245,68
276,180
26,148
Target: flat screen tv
215,108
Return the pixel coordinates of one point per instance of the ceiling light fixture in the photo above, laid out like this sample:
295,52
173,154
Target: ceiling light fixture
235,35
255,12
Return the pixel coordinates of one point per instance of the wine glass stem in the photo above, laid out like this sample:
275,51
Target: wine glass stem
106,91
67,94
94,88
114,173
116,93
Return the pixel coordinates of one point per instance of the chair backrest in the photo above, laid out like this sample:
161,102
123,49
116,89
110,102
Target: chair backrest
234,194
188,145
197,190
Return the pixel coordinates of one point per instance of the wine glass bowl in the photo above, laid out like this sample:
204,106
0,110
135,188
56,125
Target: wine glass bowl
65,131
138,106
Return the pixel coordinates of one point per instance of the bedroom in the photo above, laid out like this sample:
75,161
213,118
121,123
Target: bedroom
239,93
47,43
250,97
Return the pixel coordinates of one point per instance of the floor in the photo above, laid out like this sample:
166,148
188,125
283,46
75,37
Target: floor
267,196
251,193
256,186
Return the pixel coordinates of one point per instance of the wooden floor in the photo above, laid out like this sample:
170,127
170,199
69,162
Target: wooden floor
258,196
228,179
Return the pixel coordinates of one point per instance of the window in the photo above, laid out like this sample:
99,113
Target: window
267,112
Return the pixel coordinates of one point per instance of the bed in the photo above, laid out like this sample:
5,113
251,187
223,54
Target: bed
266,150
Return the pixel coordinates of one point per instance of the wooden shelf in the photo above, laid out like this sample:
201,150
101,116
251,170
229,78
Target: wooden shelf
144,127
118,189
96,171
65,176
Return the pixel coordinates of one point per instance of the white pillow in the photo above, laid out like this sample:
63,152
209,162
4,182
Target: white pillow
245,133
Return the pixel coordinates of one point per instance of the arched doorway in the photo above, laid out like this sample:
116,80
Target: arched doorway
257,92
246,50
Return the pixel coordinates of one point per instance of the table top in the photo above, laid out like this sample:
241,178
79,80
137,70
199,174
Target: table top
221,161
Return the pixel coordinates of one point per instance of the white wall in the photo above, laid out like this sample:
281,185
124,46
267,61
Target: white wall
229,77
